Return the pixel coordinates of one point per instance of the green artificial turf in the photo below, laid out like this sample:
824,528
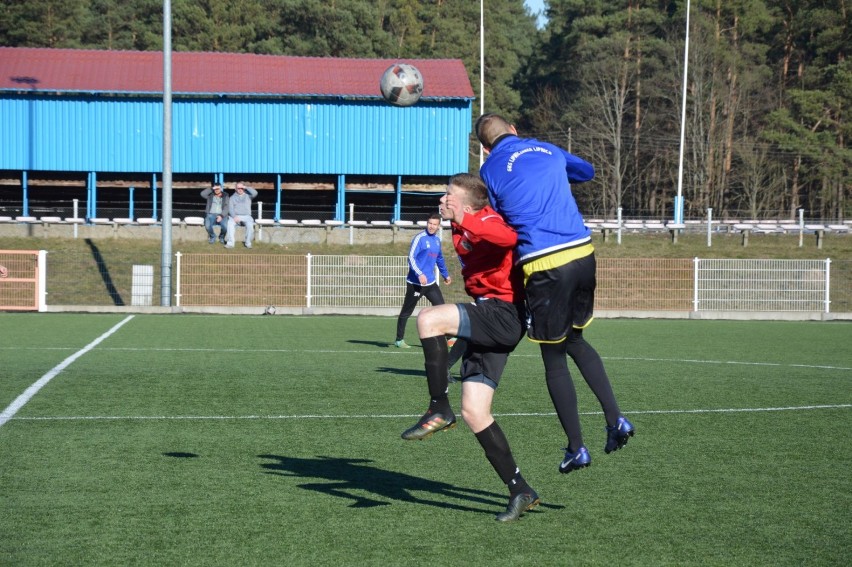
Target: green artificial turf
252,440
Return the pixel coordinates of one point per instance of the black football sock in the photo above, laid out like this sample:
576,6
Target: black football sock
591,366
435,354
497,451
456,352
562,392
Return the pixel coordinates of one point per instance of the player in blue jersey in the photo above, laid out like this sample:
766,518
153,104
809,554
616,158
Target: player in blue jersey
529,183
423,255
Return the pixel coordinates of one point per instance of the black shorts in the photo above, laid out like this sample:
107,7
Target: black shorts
560,298
492,329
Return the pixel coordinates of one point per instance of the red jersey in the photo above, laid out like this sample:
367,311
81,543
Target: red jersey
484,243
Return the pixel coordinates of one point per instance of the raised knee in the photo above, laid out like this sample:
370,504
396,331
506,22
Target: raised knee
429,321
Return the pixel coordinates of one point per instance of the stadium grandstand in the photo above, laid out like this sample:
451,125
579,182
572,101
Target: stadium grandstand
83,134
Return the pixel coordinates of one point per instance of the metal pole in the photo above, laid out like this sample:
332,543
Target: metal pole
308,281
351,228
153,195
89,196
166,256
678,212
801,227
42,279
278,197
619,225
177,279
94,194
695,263
481,70
709,227
397,205
827,285
25,209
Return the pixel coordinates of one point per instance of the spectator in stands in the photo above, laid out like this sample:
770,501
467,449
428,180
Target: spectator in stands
423,255
4,272
529,183
239,210
216,212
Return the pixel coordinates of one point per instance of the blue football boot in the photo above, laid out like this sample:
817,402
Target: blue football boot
618,434
574,461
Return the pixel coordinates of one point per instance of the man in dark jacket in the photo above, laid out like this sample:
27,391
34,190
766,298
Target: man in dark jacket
216,212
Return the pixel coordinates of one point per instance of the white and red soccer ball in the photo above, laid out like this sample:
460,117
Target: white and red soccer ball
401,84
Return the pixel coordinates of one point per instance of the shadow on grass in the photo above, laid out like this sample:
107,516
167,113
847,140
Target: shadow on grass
401,371
345,477
382,344
105,275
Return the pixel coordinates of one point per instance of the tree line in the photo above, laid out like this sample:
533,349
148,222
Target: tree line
768,81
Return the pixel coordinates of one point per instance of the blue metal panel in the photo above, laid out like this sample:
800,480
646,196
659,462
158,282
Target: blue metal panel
78,134
14,139
245,135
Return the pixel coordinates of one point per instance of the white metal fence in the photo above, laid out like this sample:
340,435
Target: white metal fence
367,282
762,285
353,281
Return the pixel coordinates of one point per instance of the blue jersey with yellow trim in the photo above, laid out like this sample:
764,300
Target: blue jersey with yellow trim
529,183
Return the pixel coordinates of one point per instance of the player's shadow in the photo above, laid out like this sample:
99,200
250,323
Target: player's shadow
349,478
383,344
402,371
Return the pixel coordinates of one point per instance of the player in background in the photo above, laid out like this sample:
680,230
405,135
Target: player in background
491,327
423,255
529,184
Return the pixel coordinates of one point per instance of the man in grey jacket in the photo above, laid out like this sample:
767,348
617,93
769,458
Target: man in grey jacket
216,212
239,208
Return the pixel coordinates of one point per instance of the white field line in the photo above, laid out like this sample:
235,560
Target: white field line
21,400
399,416
417,352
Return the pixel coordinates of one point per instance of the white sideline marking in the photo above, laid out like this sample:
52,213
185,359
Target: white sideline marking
697,361
21,400
399,416
416,352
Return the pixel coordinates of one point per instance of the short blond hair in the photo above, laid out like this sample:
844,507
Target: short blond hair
476,193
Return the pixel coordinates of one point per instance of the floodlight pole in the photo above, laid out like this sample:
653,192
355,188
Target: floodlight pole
678,205
481,71
166,257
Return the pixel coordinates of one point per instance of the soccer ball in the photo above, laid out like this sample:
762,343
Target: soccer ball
401,84
270,310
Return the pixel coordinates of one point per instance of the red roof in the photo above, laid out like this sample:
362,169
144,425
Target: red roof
78,70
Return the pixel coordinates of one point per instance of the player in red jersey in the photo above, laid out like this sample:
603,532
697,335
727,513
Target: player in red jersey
492,326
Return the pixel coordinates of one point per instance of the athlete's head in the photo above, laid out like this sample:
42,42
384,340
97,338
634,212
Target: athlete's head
489,127
465,193
470,189
433,223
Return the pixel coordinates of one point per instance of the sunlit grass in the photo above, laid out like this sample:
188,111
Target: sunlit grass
249,440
